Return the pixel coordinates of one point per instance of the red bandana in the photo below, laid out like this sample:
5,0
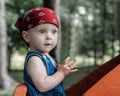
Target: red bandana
36,16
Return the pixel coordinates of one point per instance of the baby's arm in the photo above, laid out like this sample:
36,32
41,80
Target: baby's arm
43,82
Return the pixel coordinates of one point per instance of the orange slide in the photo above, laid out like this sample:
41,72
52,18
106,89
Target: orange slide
104,81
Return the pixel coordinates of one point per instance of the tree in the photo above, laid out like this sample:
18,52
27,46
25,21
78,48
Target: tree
57,11
94,35
5,80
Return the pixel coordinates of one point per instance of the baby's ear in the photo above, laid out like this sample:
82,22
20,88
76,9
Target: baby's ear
25,36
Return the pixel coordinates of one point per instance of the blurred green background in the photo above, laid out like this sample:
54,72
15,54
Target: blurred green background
89,31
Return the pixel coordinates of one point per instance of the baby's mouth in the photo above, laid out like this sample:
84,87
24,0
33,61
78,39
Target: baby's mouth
48,44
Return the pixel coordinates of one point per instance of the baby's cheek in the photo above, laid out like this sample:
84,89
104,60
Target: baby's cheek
55,42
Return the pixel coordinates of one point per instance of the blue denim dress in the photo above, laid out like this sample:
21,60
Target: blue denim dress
32,91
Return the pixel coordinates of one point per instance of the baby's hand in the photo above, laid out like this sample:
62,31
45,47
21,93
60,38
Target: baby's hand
67,66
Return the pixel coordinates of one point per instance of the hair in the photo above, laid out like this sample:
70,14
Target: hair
52,53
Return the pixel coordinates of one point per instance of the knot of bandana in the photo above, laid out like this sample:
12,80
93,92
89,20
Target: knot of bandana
36,16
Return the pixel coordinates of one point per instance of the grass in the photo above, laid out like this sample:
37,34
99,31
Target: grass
7,92
18,76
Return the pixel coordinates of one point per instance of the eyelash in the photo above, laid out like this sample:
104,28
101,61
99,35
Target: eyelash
54,31
43,31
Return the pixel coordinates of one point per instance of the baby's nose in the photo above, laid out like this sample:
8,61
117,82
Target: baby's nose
49,35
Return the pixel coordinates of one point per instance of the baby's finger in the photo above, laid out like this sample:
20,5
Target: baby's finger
71,62
75,65
66,60
73,70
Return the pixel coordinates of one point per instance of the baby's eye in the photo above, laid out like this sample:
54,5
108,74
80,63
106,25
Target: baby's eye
54,31
42,31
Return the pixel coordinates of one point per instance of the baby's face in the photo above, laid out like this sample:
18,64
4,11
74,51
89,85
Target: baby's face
43,38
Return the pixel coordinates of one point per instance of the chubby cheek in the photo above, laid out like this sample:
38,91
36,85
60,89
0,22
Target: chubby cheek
55,42
35,41
39,42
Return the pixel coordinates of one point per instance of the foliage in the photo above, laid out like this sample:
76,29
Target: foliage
91,26
88,27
